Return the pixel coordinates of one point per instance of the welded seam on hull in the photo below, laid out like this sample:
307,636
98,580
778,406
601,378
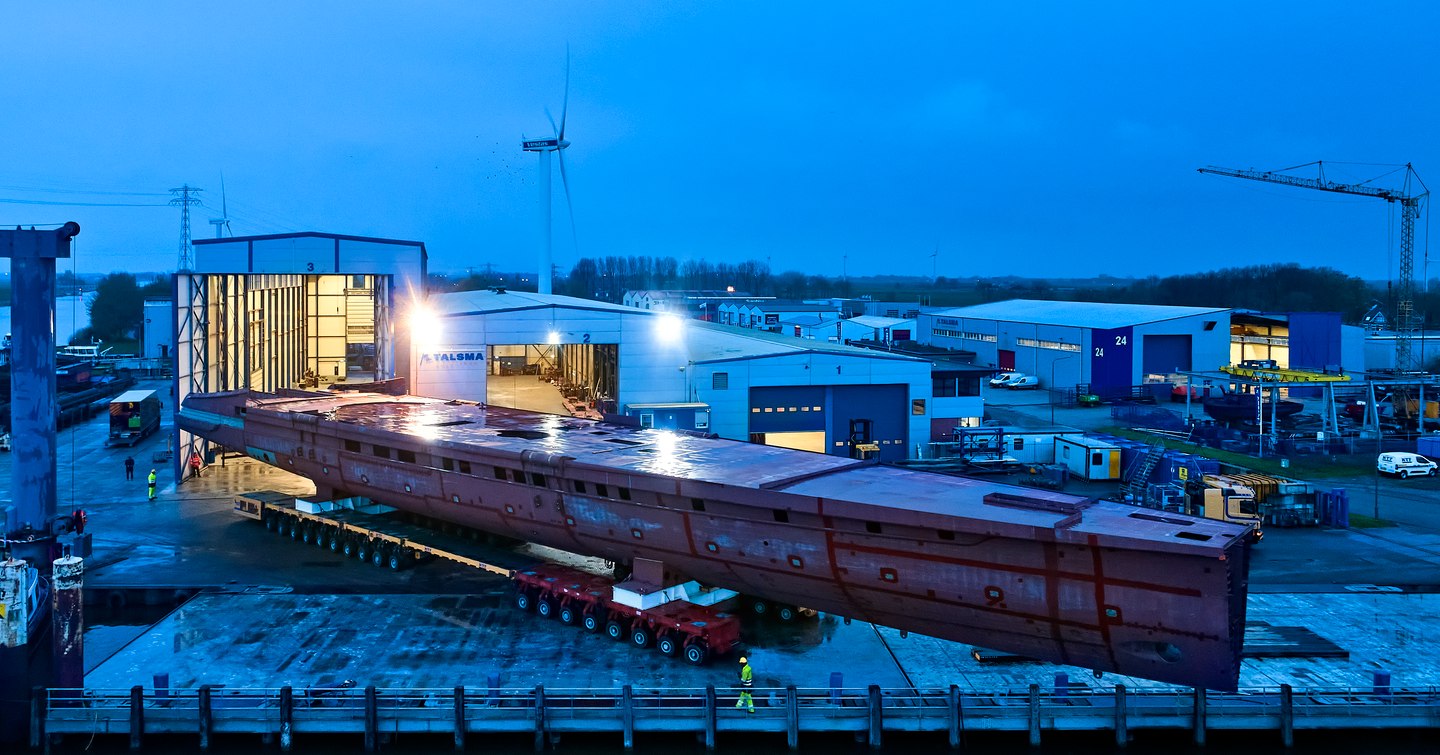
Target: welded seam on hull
1104,626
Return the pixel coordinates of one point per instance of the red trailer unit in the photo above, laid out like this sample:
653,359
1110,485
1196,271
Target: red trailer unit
676,628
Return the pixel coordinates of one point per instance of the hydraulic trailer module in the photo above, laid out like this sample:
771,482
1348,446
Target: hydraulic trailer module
642,613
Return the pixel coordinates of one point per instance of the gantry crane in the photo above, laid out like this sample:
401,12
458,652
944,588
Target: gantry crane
1409,201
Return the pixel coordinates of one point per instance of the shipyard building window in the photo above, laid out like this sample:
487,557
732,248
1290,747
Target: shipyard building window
580,487
624,494
353,446
720,381
464,467
406,456
517,476
537,479
499,473
382,451
1209,324
917,406
447,464
953,384
602,491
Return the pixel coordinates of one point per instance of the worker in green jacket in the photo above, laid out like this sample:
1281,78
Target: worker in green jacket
747,680
151,481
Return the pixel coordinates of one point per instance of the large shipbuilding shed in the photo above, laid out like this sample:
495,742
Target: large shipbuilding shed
1111,347
567,355
286,310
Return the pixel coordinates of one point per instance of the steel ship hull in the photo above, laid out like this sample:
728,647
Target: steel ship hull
1045,575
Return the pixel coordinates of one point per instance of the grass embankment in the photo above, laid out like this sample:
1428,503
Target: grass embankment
1362,522
1304,467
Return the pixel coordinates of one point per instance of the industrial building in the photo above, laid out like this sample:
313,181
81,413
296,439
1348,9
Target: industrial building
1109,347
772,315
566,355
1298,340
279,311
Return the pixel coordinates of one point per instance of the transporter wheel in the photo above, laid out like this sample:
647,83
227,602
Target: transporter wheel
523,601
378,557
336,540
759,606
362,551
567,615
348,547
295,530
545,606
322,536
640,637
696,653
270,523
786,613
615,630
397,559
307,535
591,622
667,646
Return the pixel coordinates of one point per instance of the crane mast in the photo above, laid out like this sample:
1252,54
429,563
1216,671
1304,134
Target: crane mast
1409,201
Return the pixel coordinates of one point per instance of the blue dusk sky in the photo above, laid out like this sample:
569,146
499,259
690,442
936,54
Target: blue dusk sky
1035,139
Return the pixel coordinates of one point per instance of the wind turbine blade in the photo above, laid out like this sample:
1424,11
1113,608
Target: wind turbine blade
565,104
569,208
224,204
553,128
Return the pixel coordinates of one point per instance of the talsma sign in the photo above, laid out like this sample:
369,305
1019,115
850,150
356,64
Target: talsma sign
444,358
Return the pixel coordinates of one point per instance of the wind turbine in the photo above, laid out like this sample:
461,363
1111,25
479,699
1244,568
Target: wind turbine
545,147
224,220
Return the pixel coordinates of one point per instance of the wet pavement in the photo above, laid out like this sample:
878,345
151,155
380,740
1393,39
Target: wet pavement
282,612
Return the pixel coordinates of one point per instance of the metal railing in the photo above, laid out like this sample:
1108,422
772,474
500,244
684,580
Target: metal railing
545,711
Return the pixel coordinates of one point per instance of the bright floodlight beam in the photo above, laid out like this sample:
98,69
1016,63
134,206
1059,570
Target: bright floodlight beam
669,328
424,326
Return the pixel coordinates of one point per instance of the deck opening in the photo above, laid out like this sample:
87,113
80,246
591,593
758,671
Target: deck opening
526,434
1192,536
872,527
697,505
945,534
1162,519
780,515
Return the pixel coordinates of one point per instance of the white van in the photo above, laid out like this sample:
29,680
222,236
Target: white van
1405,464
1004,379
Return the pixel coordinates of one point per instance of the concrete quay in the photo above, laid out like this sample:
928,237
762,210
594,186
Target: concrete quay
247,614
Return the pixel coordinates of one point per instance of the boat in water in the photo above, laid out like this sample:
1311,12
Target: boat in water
1035,573
1242,407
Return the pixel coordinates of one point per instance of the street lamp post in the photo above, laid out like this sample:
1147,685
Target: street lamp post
1052,384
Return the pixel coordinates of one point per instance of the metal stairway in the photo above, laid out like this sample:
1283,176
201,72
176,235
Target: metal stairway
1138,485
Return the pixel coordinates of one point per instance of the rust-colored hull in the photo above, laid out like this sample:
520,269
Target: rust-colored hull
1045,575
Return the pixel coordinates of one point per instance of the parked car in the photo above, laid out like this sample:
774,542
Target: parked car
1405,464
1024,382
1003,379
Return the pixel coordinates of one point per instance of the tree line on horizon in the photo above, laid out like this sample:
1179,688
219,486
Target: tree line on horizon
1286,287
117,310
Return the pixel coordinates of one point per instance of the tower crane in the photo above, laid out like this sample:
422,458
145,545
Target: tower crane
1409,200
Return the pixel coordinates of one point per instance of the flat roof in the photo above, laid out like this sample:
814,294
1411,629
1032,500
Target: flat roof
489,301
714,342
454,424
1078,314
875,321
